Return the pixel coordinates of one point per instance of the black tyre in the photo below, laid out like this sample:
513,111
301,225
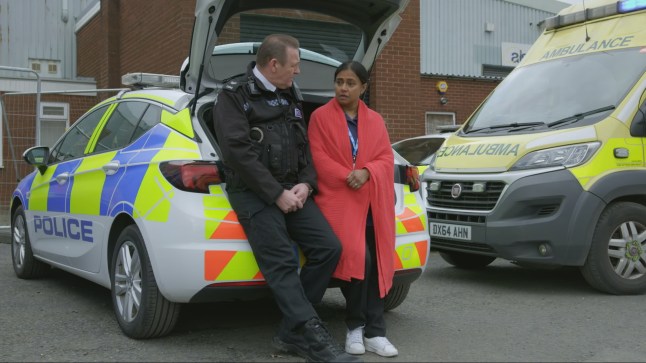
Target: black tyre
396,296
25,265
467,261
616,263
141,310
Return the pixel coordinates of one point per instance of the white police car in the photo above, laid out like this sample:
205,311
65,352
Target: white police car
131,196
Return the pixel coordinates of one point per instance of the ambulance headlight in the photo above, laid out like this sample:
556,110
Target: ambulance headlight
565,156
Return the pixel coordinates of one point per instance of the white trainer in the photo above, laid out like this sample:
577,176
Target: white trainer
381,346
354,341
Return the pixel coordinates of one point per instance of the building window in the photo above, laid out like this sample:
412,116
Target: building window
436,121
54,120
52,68
496,71
46,67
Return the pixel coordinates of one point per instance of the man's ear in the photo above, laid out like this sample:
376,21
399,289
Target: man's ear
273,64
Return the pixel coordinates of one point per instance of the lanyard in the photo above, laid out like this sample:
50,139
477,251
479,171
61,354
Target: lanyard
355,145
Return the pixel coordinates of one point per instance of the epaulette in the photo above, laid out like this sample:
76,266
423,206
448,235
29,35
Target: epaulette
233,85
252,88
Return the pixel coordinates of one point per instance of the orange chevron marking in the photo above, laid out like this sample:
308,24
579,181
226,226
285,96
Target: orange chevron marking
259,276
398,262
413,224
421,251
229,230
407,213
215,262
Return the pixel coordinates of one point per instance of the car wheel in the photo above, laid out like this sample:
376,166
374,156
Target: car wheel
396,296
141,310
25,265
467,261
616,263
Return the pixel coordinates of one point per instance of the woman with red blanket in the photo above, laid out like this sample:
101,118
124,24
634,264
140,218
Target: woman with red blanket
354,163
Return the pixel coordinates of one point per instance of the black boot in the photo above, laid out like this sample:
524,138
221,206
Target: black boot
313,342
322,347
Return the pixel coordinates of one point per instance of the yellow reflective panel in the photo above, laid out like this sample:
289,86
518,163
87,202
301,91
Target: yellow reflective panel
153,199
89,178
408,255
181,121
241,267
178,147
39,190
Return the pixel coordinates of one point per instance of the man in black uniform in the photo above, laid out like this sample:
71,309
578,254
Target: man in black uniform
261,130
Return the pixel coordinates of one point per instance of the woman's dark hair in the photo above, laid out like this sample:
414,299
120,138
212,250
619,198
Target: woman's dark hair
357,68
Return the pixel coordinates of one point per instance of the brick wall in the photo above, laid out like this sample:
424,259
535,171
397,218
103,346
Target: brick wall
463,95
154,37
396,79
89,59
135,36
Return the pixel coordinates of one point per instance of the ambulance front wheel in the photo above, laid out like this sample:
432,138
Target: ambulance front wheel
616,263
25,265
141,310
396,296
466,261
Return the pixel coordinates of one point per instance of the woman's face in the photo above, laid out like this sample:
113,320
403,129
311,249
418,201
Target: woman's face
348,88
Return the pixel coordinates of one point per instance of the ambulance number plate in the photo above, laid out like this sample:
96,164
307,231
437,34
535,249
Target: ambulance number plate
453,231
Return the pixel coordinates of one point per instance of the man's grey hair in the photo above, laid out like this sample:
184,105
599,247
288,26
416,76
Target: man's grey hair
275,46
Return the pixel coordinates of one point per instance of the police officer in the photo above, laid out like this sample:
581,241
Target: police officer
261,131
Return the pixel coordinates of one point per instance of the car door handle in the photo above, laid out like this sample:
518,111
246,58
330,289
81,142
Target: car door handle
111,168
62,178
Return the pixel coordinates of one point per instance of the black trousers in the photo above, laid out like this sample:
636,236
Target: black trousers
270,233
364,307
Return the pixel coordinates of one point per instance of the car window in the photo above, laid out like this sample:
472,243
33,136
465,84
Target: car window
151,118
73,144
119,129
417,151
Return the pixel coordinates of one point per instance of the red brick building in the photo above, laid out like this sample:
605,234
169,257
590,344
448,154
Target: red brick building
115,37
132,36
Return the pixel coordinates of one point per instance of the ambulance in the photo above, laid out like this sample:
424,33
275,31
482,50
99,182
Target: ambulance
550,169
132,196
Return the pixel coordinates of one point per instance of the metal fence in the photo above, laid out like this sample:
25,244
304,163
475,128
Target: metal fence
22,122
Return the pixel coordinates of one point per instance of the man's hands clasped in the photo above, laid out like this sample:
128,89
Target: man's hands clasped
293,199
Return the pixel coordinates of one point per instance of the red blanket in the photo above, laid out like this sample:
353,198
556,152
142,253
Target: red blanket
346,209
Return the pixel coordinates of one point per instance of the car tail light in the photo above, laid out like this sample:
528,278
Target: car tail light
191,176
412,178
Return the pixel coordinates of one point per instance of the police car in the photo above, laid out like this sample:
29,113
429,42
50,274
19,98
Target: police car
132,196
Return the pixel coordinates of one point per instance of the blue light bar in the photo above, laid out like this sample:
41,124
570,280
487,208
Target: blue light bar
626,6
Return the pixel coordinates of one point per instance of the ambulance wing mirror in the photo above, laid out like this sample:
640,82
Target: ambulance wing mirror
638,126
37,156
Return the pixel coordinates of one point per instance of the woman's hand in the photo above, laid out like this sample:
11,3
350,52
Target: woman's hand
357,178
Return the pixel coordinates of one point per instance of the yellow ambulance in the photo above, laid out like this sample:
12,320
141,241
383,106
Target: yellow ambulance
550,169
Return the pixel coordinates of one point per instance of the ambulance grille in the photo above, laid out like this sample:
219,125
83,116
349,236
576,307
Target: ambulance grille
468,199
450,217
447,244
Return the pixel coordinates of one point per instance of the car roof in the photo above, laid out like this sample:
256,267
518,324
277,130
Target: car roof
173,98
